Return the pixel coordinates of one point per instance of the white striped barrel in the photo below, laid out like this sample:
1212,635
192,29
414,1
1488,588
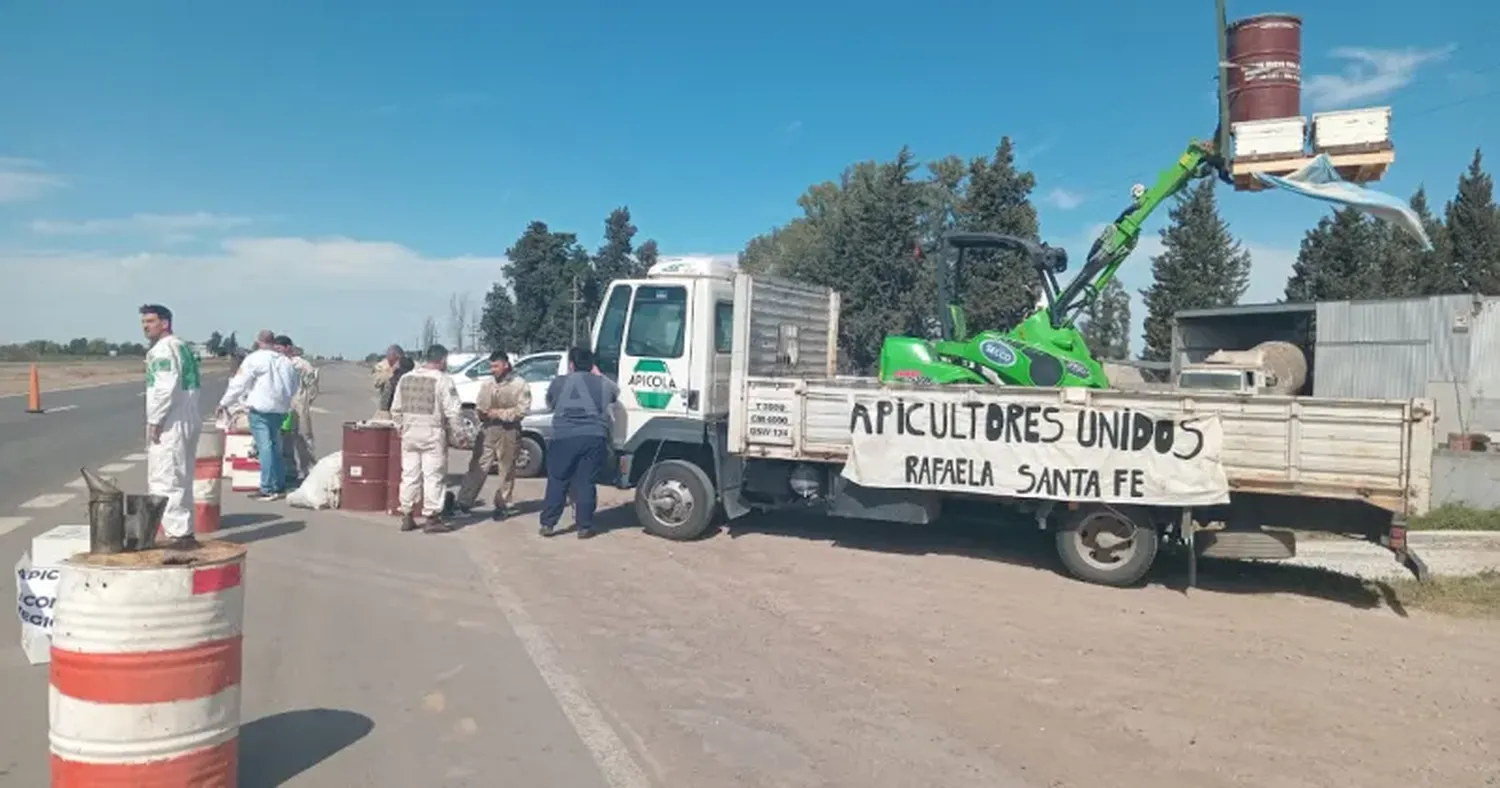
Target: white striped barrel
145,674
208,475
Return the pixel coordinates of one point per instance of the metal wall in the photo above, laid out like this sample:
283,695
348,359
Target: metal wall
1401,348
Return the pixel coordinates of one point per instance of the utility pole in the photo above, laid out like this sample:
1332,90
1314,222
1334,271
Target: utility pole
575,301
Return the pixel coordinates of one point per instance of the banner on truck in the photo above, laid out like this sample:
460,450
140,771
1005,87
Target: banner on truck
1053,451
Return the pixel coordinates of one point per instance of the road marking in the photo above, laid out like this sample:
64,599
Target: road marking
48,501
137,457
316,409
8,524
614,759
116,467
77,484
140,393
59,409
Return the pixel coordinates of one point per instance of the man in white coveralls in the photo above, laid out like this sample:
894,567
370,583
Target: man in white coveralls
173,422
426,407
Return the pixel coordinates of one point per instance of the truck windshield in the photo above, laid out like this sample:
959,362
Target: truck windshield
1213,381
657,322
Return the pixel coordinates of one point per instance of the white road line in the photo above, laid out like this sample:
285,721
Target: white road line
48,501
316,409
8,524
615,762
137,457
140,393
116,467
59,409
77,484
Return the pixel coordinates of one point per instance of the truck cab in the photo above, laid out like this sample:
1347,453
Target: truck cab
666,340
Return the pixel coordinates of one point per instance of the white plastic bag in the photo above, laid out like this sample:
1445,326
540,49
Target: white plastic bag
320,490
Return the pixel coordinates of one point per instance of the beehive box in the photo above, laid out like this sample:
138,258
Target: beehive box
1282,137
1352,130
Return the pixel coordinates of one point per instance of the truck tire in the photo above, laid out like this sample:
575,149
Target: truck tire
675,500
1108,545
530,457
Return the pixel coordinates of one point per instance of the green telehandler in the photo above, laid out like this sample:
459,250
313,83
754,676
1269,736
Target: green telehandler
1046,348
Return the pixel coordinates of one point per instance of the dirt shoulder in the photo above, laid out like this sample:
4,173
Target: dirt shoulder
15,377
798,651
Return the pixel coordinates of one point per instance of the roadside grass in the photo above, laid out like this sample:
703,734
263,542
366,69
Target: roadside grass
1456,517
1470,596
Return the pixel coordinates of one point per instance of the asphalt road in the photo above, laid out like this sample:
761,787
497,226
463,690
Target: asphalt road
80,427
372,657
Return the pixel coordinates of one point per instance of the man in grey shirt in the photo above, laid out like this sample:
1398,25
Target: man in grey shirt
579,447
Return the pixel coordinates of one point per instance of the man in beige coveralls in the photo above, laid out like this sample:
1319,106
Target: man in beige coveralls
500,404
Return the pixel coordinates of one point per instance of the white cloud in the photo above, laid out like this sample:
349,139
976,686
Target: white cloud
22,180
334,295
168,226
1063,199
1368,74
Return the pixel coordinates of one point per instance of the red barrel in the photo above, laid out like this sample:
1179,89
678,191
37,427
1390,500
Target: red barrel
367,459
1265,71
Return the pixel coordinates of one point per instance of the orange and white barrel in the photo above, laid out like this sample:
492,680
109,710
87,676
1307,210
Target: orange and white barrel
146,655
208,480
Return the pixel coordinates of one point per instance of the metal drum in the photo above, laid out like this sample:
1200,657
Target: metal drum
366,469
145,677
1265,72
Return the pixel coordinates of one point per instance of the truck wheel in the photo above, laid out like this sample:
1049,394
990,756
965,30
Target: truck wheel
529,458
675,500
1108,545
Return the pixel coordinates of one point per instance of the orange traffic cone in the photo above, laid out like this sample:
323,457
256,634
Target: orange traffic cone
34,396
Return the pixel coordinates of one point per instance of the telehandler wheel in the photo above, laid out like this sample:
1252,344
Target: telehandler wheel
675,500
1108,545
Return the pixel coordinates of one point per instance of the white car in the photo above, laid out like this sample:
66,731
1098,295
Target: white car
538,370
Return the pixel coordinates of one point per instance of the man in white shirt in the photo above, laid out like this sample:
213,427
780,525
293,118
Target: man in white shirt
173,422
266,383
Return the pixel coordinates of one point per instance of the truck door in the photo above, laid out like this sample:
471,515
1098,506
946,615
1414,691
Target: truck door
656,361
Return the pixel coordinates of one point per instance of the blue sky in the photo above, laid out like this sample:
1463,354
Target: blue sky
336,170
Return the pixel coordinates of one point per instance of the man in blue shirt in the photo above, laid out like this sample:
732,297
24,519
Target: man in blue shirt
579,447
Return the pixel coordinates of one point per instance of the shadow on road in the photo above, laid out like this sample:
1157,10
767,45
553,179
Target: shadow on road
248,534
1007,539
243,519
277,748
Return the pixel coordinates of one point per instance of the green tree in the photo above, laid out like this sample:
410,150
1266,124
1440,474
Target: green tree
998,289
1202,265
1412,270
617,258
543,268
1105,324
1340,259
231,345
1474,230
497,320
646,255
214,343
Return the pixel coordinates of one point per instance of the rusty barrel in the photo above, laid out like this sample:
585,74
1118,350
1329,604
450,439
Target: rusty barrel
366,472
145,675
1265,68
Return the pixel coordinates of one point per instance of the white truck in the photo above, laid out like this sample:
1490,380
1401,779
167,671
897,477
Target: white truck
730,404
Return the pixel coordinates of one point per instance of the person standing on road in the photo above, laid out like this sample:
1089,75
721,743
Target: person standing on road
173,422
387,374
580,402
426,408
501,403
266,384
304,456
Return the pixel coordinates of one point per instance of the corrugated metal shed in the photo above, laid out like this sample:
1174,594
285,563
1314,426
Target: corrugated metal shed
1398,349
1198,332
